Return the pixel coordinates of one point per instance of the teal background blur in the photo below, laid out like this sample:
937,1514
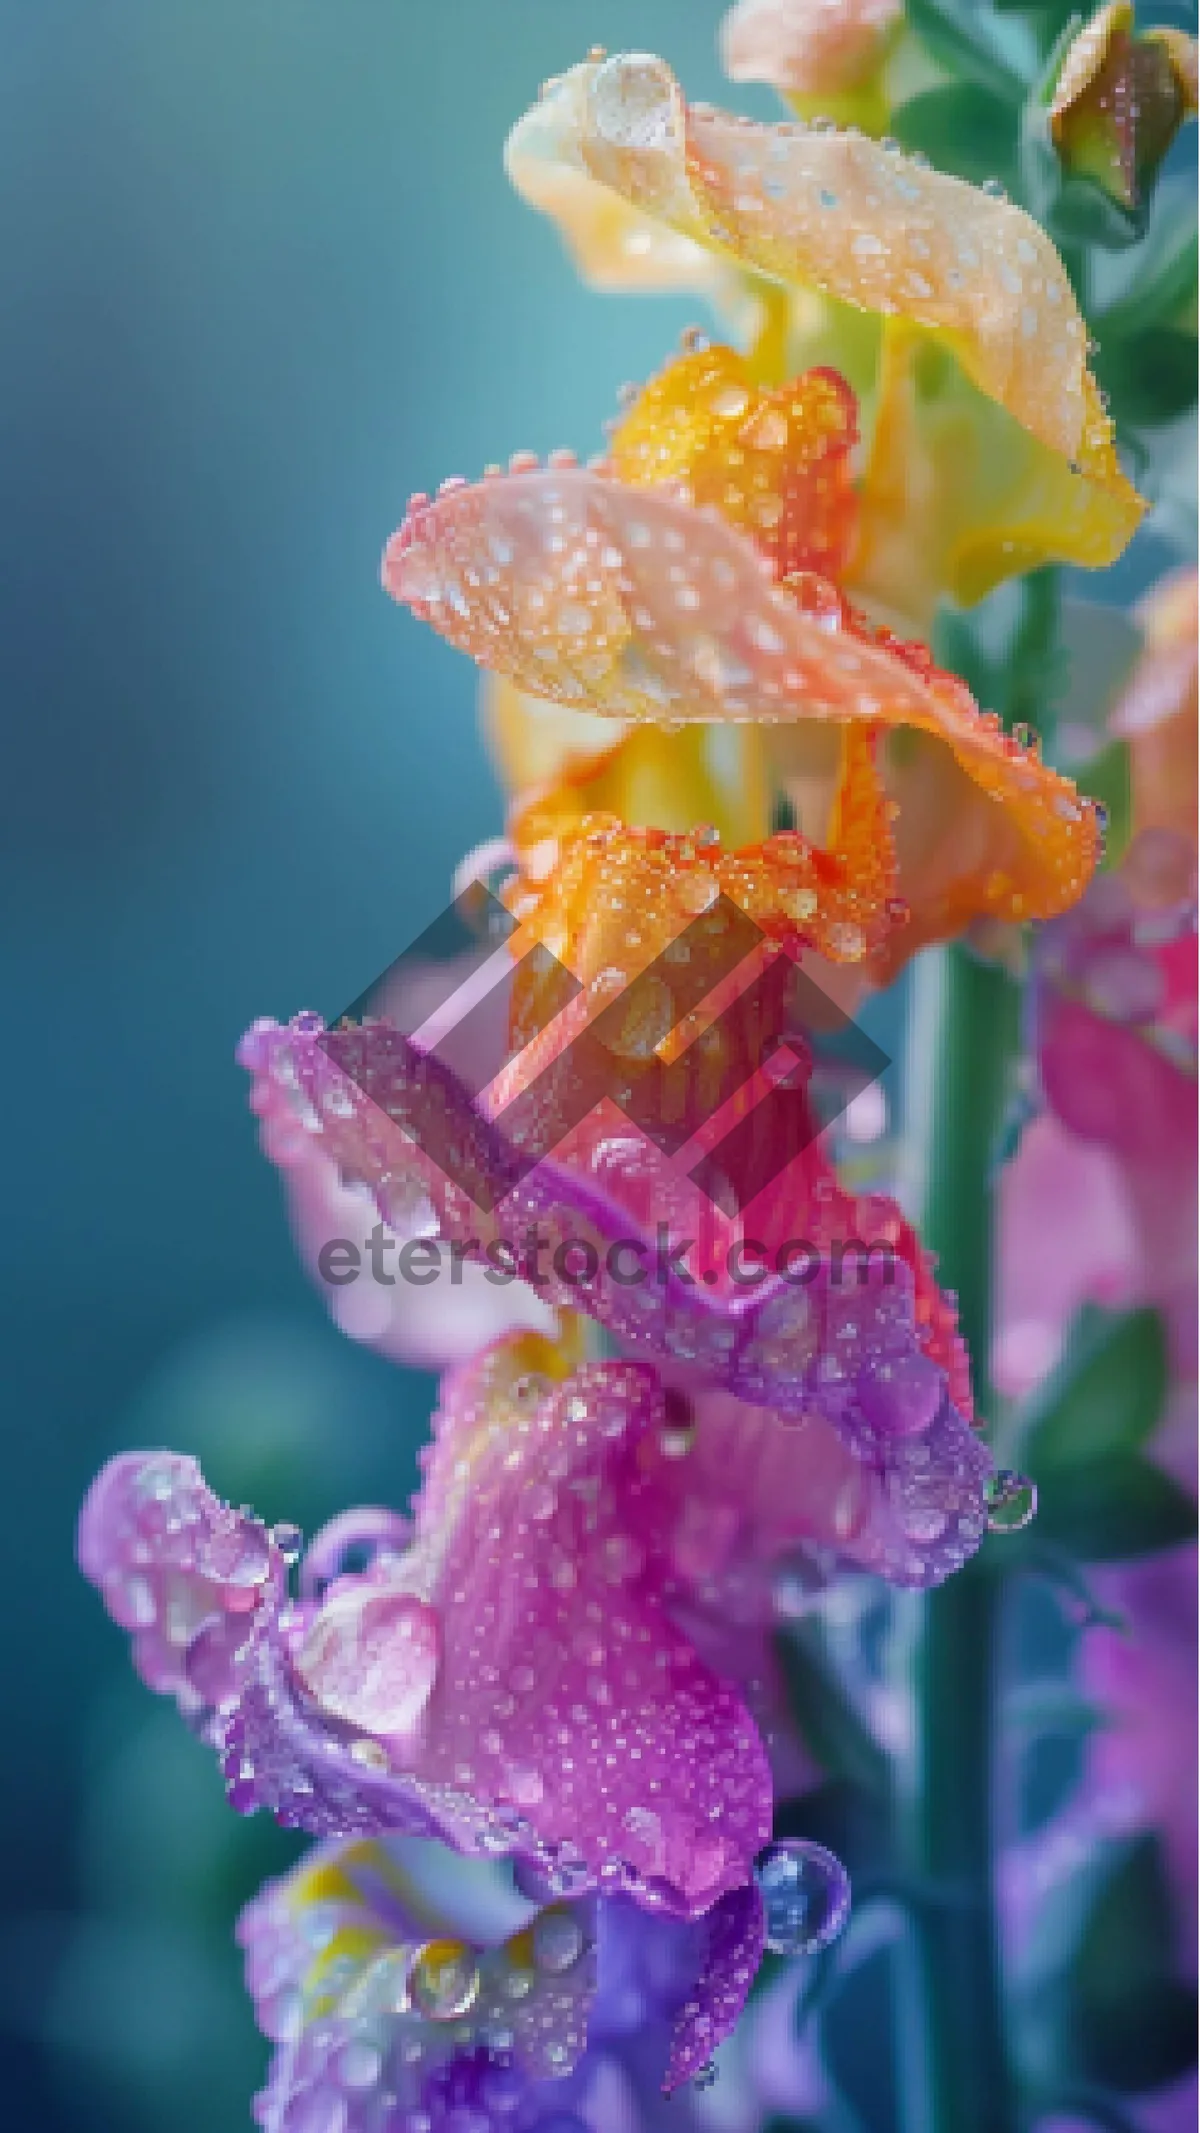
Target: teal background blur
262,277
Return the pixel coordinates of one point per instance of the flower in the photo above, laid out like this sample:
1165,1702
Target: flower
488,1680
986,419
1157,716
1119,100
824,56
684,580
875,1360
393,1979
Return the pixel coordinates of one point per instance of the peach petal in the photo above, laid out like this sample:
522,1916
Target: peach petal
808,46
636,604
859,222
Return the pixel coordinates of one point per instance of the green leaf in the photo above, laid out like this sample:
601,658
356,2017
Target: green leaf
1113,1508
954,32
1160,290
962,129
1106,1396
1135,2022
1150,378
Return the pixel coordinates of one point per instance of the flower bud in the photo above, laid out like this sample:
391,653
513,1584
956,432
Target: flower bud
1120,99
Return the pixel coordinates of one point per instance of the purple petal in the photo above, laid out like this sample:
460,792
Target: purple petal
397,1120
734,1937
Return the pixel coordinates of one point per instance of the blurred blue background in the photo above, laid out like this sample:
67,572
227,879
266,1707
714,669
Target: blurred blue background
263,277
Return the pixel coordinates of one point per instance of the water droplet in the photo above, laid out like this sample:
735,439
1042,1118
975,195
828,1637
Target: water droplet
358,2064
1011,1500
444,1980
557,1942
993,188
289,1540
806,1892
707,2076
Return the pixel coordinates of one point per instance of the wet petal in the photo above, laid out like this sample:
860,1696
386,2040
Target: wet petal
992,499
511,1681
189,1578
377,2002
566,1691
734,1933
610,898
635,603
774,464
878,1357
839,213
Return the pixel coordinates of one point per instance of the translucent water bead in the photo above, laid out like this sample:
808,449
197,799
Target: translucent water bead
1011,1500
444,1980
806,1892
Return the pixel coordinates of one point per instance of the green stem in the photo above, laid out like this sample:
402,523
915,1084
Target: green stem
958,2074
1032,649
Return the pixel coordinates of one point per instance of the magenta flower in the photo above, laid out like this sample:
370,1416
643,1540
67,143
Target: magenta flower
870,1356
1099,1201
509,1680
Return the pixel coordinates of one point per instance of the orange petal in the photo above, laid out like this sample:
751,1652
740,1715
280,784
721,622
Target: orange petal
777,464
608,897
637,604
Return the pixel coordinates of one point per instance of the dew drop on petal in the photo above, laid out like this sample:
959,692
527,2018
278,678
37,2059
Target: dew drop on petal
444,1980
806,1894
1011,1500
557,1942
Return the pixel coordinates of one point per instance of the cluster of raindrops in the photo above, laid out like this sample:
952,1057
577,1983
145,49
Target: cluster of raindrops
381,2029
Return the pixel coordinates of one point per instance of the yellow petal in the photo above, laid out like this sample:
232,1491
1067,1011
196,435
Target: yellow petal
641,774
535,742
990,499
861,223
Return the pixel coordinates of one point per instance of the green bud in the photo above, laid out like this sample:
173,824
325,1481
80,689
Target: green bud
1120,99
